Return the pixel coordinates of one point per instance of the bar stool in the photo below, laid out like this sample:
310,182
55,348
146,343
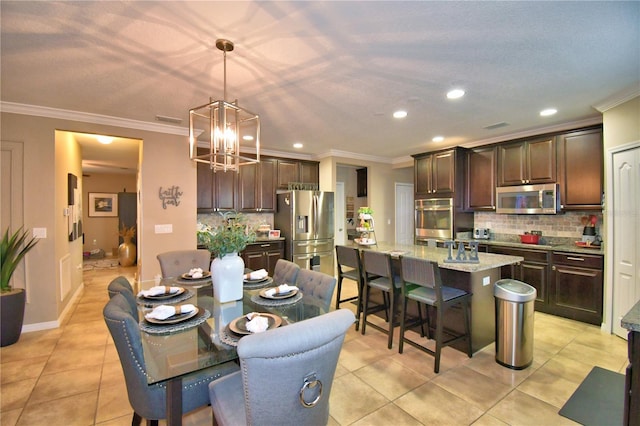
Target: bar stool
350,267
422,283
378,274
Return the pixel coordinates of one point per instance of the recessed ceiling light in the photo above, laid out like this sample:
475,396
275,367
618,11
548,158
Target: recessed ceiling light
455,94
438,138
547,112
247,137
400,114
105,140
297,145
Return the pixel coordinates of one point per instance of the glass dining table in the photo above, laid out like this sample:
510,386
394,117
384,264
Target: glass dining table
208,338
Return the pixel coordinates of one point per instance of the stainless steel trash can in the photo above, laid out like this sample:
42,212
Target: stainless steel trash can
514,323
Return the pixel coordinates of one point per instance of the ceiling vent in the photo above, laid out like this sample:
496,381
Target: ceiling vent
166,119
496,125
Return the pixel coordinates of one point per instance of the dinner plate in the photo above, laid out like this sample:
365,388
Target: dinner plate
174,318
364,243
256,281
292,293
205,275
165,295
239,325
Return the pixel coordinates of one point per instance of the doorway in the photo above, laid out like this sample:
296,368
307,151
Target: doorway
404,213
623,231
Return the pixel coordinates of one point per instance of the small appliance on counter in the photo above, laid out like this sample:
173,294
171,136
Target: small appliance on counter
481,233
589,231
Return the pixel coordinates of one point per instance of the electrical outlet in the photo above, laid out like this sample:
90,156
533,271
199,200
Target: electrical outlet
164,229
486,281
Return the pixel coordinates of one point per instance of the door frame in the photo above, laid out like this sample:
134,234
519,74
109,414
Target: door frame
408,210
340,215
609,218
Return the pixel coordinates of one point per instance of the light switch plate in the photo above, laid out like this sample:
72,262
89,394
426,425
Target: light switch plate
39,233
486,281
164,229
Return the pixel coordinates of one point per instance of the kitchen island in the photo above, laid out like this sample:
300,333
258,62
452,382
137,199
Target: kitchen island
477,278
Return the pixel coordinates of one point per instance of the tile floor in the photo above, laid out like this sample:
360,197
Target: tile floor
72,375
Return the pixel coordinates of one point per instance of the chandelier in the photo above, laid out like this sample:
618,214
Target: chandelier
220,129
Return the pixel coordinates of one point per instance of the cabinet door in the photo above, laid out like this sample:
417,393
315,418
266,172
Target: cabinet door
309,172
254,260
511,164
422,175
576,293
248,187
272,257
541,161
481,179
535,274
288,171
361,182
443,172
204,202
225,190
580,169
267,185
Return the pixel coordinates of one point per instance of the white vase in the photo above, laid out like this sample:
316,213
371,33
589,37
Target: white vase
227,275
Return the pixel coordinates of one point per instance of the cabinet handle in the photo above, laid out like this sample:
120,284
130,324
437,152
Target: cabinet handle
553,268
265,245
579,259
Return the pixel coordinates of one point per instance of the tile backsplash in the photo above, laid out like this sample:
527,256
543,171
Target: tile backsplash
559,226
254,220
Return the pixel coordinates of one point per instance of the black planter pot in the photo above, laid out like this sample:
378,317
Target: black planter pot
11,316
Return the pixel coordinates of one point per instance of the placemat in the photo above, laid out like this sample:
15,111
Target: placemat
259,300
193,283
202,316
261,284
228,337
188,294
599,400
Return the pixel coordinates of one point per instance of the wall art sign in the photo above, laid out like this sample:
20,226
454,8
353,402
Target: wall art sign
170,196
103,204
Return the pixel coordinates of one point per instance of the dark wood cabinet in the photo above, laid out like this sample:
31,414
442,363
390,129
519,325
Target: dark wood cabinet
298,172
575,288
263,255
257,186
534,270
215,191
361,182
527,162
580,169
440,175
481,179
632,382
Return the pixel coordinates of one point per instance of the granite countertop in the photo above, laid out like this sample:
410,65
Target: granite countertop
570,248
631,321
267,240
487,260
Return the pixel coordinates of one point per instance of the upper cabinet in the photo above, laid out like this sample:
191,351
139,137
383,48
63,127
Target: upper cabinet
216,191
297,171
581,169
439,174
257,186
361,182
527,162
481,179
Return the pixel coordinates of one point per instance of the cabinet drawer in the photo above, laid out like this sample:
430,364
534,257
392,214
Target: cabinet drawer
578,260
529,255
263,246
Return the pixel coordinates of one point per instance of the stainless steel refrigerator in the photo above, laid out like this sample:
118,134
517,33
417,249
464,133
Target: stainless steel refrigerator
305,219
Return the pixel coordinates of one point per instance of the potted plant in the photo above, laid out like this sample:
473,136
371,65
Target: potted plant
13,248
365,212
225,242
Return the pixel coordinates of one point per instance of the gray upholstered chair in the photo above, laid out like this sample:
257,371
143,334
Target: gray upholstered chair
422,284
175,263
379,275
149,401
316,287
121,285
285,376
285,271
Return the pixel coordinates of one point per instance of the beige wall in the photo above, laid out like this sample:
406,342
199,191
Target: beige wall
621,124
165,162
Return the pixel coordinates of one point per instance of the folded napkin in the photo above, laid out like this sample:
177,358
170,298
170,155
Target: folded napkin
256,275
281,289
257,323
195,273
163,312
159,290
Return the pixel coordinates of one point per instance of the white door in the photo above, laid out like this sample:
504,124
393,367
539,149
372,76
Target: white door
340,219
626,228
404,213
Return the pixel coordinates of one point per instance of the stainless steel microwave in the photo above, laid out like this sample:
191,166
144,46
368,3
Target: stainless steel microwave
528,199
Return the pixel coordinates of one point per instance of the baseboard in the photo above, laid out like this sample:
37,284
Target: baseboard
48,325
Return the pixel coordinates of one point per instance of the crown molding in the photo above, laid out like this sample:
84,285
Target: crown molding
618,99
85,117
354,156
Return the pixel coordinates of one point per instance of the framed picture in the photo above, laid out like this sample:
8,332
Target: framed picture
274,233
102,204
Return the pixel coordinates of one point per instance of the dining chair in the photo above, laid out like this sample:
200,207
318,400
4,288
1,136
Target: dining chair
285,376
316,287
149,401
175,263
121,285
285,272
422,284
379,275
350,267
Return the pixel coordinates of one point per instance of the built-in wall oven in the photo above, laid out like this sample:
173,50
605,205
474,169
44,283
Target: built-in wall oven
438,219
